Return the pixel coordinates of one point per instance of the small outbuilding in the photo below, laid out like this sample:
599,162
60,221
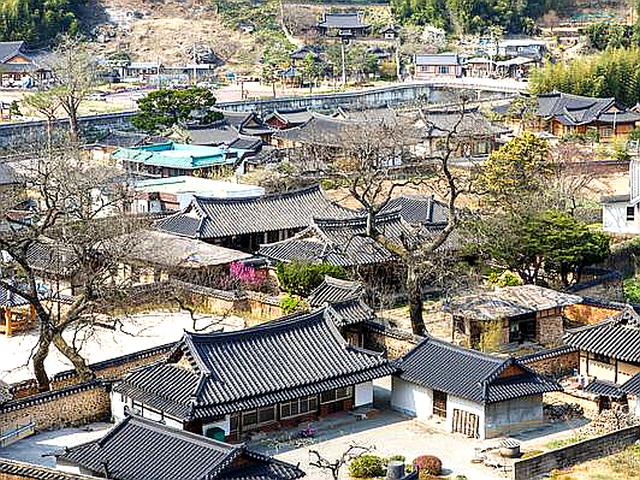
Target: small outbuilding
468,392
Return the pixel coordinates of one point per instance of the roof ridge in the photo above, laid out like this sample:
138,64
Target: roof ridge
266,197
457,348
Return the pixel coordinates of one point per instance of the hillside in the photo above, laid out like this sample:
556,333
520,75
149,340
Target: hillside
166,30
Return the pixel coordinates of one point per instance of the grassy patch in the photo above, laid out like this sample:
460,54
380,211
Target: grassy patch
563,442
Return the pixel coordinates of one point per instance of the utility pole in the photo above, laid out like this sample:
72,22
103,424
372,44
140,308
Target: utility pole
194,60
344,63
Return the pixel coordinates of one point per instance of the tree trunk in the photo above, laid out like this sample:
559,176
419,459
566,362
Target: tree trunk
414,296
84,372
74,128
41,354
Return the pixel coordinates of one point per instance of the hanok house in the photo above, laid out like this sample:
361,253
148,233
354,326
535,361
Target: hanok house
428,66
247,223
16,313
510,316
609,352
137,448
564,114
151,256
341,242
17,67
343,25
229,385
468,392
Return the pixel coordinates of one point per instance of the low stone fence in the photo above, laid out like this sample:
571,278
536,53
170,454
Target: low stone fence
12,470
256,306
554,362
540,465
112,369
71,406
394,342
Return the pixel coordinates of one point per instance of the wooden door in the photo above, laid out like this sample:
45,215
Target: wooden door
466,423
439,404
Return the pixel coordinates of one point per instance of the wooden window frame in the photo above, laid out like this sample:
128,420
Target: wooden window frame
349,395
298,402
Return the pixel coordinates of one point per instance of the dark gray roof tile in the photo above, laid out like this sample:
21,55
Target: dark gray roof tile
470,374
137,449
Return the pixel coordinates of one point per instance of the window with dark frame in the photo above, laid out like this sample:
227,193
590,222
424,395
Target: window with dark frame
297,407
336,395
631,213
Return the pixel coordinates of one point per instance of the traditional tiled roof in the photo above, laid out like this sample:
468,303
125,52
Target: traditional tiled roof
259,366
292,118
9,50
5,393
22,470
470,123
509,302
138,448
340,242
333,290
546,354
209,218
470,374
322,130
8,175
439,59
349,312
301,53
342,20
604,388
632,386
617,337
578,110
419,209
49,257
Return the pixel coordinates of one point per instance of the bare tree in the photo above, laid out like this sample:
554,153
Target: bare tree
414,149
74,77
60,257
334,466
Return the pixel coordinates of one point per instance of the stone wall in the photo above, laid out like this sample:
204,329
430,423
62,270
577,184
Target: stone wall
112,369
395,343
554,362
549,330
540,465
72,406
605,285
12,470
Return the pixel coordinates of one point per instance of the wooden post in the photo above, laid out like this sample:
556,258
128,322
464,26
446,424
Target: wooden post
7,319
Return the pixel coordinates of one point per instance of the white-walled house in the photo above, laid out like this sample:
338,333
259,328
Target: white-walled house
469,392
621,213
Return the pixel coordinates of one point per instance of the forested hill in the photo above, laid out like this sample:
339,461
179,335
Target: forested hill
37,21
475,16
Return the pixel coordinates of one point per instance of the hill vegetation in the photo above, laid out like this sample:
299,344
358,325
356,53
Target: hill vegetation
37,21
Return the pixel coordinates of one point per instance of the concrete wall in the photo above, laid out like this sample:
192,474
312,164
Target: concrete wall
457,403
363,394
512,416
614,219
538,466
411,399
72,406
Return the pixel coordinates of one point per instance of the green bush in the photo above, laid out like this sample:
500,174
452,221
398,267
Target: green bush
505,279
396,458
301,278
367,466
290,304
427,465
632,290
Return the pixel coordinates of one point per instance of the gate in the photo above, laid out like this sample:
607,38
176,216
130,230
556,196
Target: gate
466,423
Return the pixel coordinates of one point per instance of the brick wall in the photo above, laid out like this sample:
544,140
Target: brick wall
540,465
555,365
588,314
72,406
549,330
12,470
